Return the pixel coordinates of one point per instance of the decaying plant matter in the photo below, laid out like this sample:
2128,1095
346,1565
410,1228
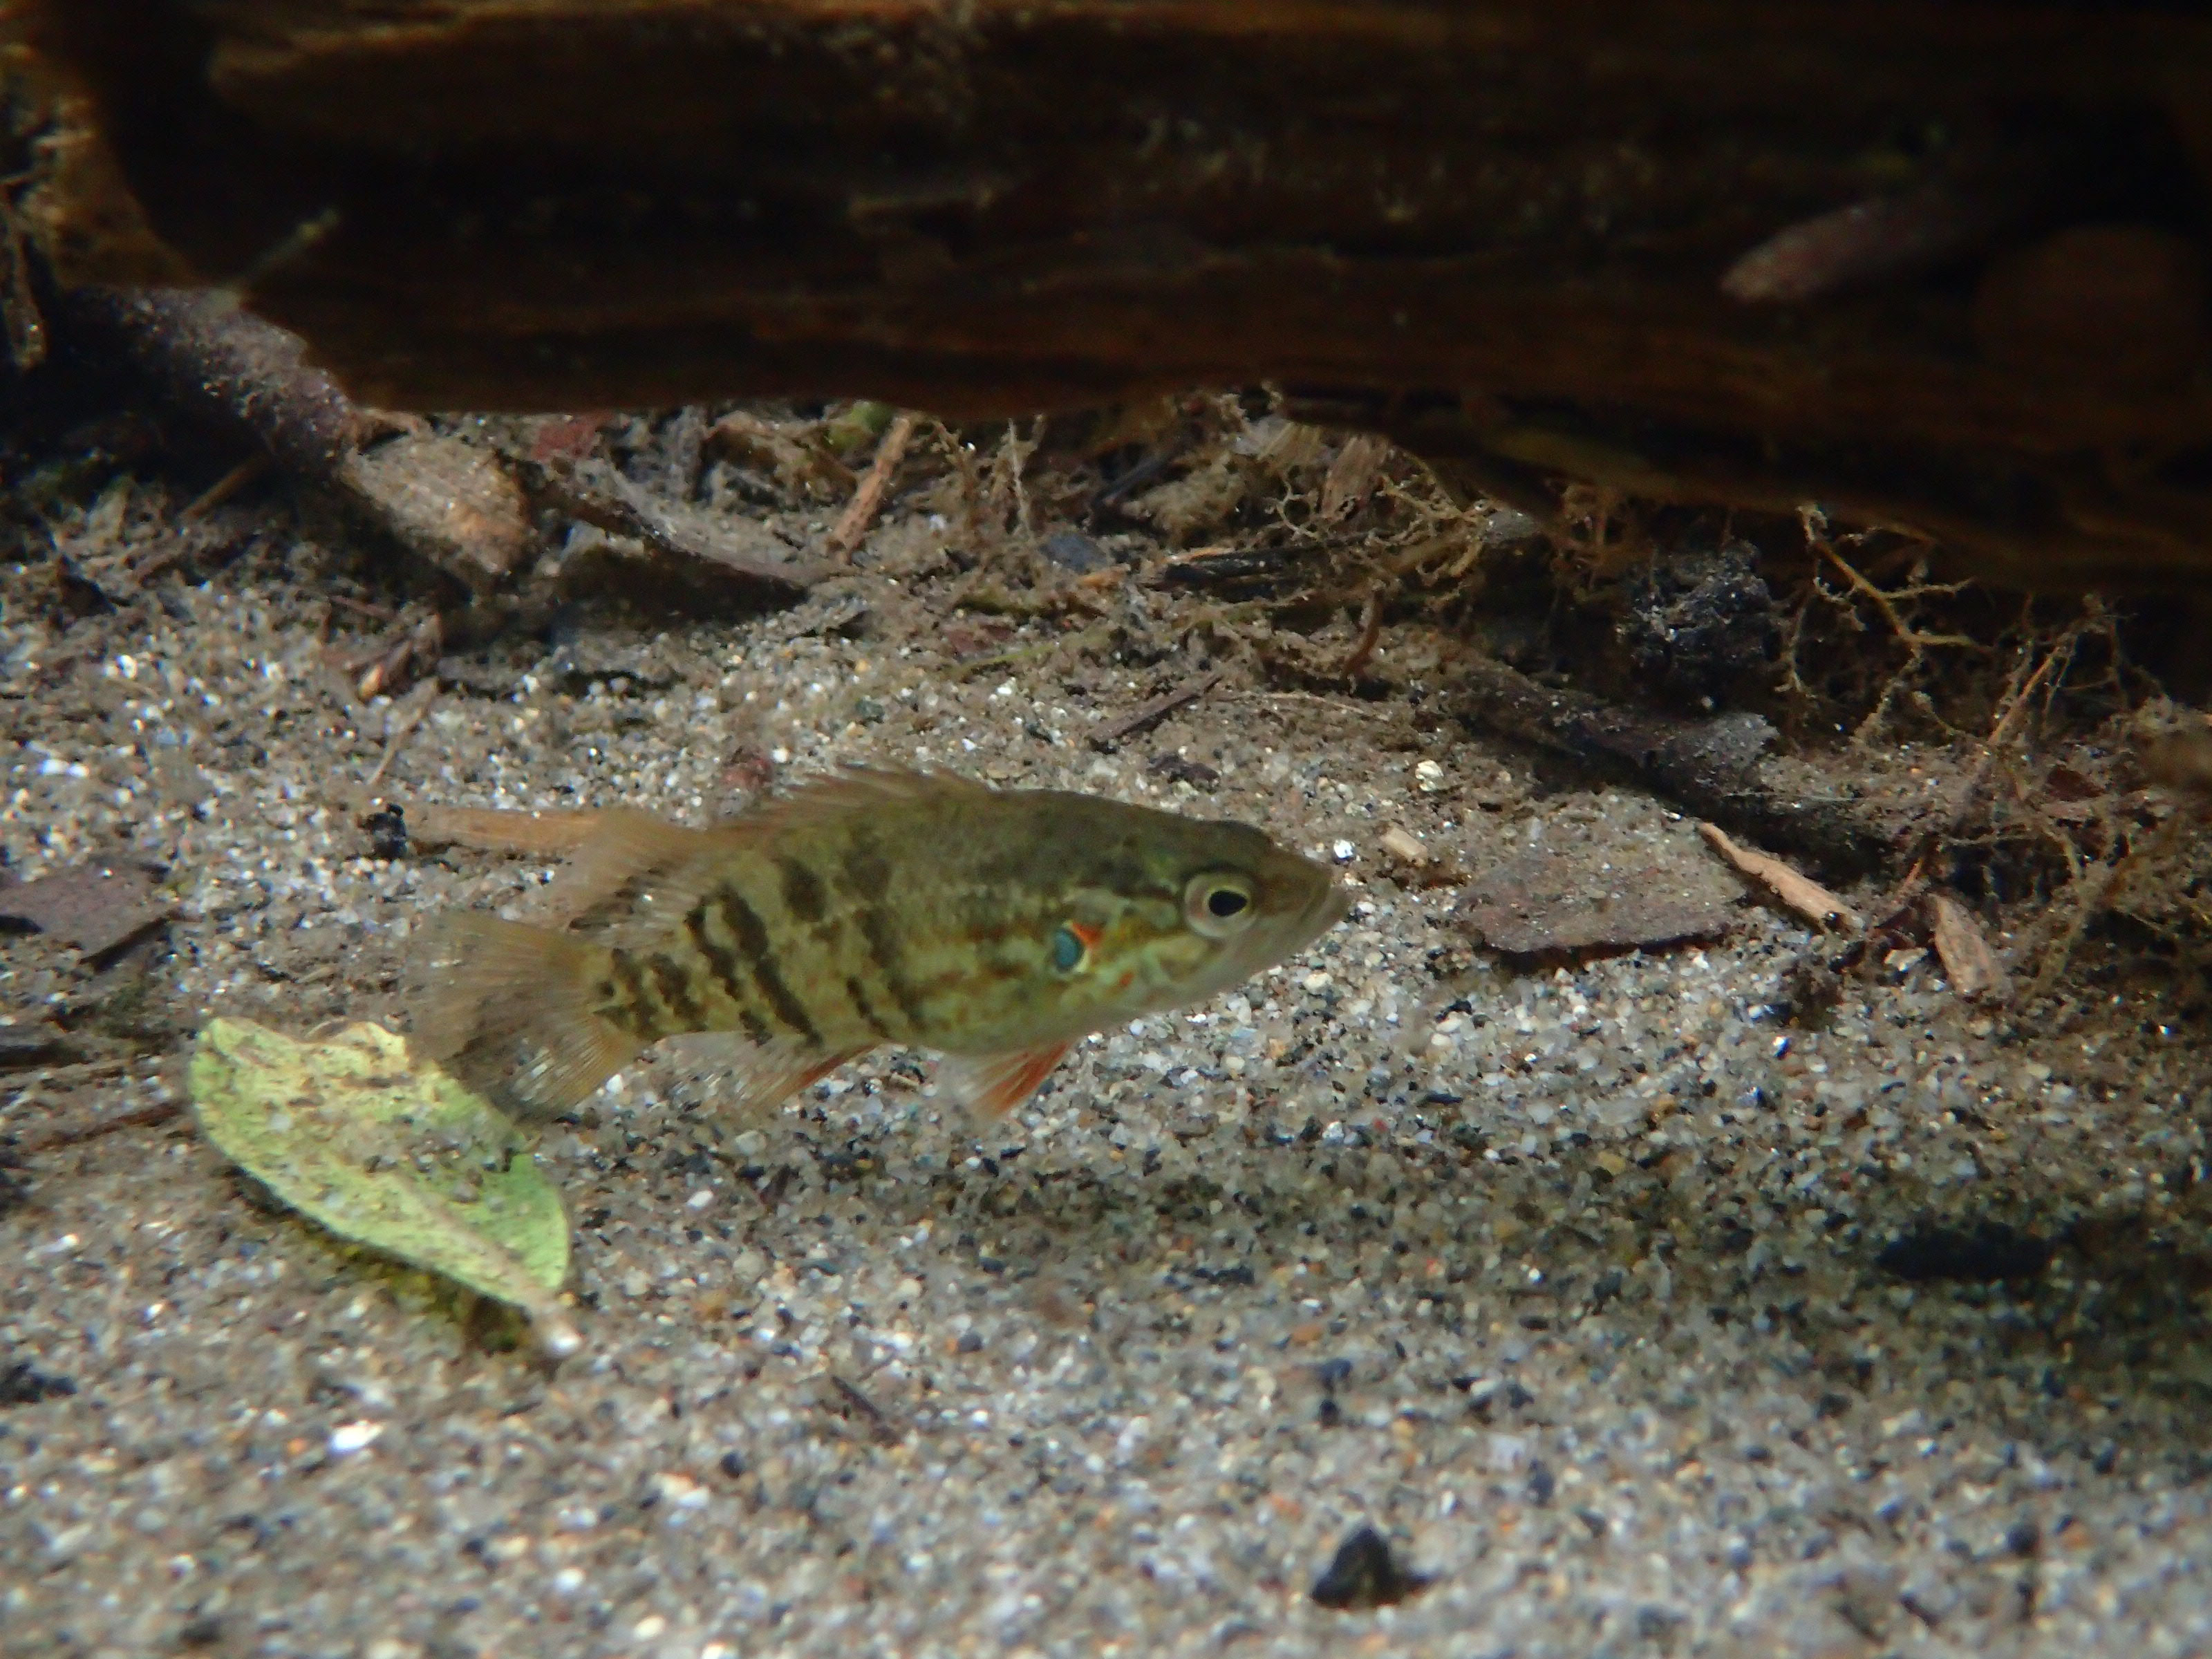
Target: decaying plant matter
1939,266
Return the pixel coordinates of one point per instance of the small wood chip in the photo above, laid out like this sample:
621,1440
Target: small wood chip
94,907
28,1044
1799,892
1351,475
1404,846
1969,964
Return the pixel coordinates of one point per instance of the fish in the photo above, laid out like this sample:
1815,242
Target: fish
874,908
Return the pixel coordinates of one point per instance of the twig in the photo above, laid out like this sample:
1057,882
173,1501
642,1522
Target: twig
852,525
224,488
1371,631
1814,902
487,829
1152,713
404,719
232,373
76,1134
878,1423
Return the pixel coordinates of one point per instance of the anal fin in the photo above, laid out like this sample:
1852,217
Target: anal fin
761,1075
993,1085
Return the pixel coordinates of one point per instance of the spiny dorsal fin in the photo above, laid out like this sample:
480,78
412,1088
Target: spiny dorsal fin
632,861
636,870
854,789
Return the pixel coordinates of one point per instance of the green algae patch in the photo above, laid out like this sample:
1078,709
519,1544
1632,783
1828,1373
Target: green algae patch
389,1153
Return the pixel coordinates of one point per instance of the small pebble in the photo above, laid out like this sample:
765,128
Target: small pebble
350,1438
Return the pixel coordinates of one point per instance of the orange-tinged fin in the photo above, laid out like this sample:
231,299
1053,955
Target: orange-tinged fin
508,1010
763,1075
996,1083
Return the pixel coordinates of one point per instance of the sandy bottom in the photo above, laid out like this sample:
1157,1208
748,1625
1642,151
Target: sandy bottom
1569,1280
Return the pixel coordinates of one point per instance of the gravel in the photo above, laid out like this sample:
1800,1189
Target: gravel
1565,1281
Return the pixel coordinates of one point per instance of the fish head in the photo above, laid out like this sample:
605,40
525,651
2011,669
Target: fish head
1190,909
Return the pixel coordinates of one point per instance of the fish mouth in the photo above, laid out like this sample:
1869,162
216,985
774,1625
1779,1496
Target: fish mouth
1296,930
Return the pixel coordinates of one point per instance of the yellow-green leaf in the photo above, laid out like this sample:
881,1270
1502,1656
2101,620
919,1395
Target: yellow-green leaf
389,1153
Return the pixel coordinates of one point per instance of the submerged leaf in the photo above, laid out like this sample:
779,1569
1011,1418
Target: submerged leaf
351,1132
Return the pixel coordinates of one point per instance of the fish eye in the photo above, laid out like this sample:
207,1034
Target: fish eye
1217,904
1068,950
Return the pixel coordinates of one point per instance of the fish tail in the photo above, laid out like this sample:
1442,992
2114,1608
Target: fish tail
513,1012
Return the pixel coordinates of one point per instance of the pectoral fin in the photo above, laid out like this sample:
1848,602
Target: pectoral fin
993,1085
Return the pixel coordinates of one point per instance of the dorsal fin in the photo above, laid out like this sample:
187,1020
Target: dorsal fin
635,868
632,863
854,789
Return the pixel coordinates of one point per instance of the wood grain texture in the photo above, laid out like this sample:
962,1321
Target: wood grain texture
1498,231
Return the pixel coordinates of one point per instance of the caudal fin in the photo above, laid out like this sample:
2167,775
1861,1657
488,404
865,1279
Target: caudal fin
508,1009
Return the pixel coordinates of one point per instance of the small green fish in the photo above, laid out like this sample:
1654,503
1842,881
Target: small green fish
997,927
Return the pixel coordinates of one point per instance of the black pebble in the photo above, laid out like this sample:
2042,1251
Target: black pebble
1542,1484
203,1632
1979,1254
1366,1574
387,832
732,1464
21,1385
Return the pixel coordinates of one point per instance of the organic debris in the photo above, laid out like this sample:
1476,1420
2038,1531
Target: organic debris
692,546
1969,962
356,1135
1799,892
428,826
98,906
1547,905
1365,1574
1147,715
1713,767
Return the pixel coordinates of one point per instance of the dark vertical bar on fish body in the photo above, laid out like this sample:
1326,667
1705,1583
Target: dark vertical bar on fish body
880,966
757,949
632,1006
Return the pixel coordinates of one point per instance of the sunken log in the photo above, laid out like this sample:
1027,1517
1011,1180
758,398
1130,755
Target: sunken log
1930,263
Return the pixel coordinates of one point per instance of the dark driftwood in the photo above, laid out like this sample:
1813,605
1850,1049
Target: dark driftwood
1933,262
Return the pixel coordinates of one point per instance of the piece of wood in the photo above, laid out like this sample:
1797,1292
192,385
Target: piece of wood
1004,207
1145,717
1969,962
1718,768
1795,889
551,834
852,525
